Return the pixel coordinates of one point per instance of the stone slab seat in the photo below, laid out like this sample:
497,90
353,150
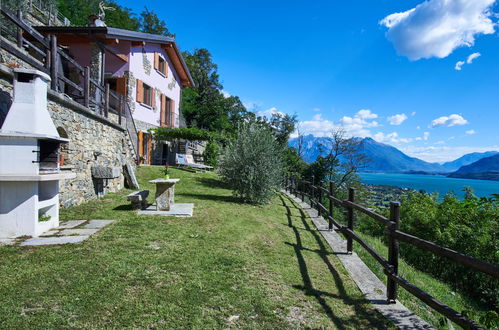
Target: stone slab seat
139,198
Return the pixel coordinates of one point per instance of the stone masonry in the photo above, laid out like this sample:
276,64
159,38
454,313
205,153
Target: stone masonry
94,141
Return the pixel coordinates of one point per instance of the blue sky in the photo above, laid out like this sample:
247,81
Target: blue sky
425,79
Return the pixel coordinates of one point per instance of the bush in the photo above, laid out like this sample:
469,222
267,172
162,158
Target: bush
251,164
211,153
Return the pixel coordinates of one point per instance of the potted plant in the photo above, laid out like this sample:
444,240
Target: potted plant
165,172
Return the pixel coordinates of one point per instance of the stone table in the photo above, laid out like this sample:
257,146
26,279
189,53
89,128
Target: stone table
165,193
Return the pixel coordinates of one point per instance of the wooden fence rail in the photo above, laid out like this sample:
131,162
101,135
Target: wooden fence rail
317,193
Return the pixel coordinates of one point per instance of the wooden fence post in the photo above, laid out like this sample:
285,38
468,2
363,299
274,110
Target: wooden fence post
86,86
312,193
120,108
106,101
302,190
393,251
330,205
19,30
351,215
319,203
53,63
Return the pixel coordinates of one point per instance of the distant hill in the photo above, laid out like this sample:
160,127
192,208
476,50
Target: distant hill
467,159
484,169
382,157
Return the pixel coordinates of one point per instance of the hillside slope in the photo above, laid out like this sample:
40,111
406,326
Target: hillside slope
485,169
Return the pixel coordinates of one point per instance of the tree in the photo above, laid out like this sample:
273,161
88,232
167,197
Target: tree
77,11
251,163
204,105
151,23
344,158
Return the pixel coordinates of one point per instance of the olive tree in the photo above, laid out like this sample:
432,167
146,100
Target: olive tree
251,163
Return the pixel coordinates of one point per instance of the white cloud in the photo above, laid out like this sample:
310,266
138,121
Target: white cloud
391,137
470,132
397,119
317,126
473,57
252,105
413,113
443,153
459,65
425,137
358,125
449,121
440,142
435,28
226,94
469,60
366,114
269,112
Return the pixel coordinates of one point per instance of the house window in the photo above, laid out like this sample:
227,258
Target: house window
162,66
147,94
166,111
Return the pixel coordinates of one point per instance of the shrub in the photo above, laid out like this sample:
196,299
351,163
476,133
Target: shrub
251,164
211,153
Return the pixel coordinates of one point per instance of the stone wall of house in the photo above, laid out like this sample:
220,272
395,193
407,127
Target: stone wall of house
94,141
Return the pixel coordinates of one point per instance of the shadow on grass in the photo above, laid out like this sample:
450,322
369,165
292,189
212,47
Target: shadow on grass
216,198
124,207
212,183
308,288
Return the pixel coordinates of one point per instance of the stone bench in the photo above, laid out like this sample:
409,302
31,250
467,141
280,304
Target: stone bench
139,198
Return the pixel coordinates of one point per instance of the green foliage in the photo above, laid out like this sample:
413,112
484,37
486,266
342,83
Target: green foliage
151,23
251,164
469,226
293,163
204,105
192,134
77,11
211,153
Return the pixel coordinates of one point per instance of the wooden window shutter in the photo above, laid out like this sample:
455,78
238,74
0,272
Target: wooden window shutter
149,150
140,91
153,97
162,117
121,86
156,61
141,144
172,111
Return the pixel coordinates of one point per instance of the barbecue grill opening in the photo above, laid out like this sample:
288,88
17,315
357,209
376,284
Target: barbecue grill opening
48,155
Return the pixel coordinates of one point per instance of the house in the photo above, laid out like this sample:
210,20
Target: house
147,69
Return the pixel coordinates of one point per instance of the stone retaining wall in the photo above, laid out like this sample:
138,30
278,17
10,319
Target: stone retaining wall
94,141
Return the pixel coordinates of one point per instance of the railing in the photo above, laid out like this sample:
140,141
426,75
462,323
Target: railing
67,75
317,193
47,13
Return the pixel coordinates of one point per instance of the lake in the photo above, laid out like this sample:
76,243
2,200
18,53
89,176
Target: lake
432,183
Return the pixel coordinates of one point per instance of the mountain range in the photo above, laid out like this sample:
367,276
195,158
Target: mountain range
485,169
388,159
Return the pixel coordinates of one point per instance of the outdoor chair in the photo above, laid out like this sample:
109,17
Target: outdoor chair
188,161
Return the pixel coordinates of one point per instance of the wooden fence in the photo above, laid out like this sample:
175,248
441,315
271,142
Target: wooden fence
67,75
317,194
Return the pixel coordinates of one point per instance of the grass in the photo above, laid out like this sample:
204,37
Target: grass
230,265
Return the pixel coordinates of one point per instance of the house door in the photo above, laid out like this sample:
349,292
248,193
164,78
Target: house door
164,154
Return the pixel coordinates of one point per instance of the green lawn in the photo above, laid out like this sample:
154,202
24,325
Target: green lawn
231,264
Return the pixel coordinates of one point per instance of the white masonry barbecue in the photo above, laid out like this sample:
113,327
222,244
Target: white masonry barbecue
29,160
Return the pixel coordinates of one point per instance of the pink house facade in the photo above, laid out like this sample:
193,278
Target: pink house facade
148,70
